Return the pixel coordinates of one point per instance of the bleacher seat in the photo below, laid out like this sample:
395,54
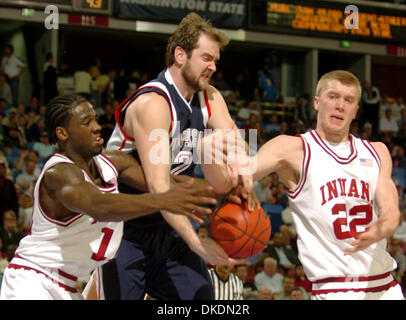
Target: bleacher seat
275,214
400,174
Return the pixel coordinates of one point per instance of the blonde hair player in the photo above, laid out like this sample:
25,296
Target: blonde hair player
343,200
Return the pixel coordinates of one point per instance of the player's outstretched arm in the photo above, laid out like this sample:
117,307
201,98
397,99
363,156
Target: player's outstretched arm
386,198
239,170
66,184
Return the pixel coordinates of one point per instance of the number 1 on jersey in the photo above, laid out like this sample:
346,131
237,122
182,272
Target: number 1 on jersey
99,255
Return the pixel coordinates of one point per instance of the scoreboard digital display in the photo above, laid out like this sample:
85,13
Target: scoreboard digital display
92,6
328,19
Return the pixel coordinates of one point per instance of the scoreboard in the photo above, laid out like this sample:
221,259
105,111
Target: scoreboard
328,19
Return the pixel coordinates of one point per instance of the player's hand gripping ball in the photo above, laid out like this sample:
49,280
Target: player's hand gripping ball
241,233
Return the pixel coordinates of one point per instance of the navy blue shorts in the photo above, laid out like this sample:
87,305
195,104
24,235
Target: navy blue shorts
156,261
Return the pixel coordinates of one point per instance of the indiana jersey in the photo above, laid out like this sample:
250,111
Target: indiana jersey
188,121
65,249
333,202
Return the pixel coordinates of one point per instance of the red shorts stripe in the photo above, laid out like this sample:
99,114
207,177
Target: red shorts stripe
64,286
353,279
373,289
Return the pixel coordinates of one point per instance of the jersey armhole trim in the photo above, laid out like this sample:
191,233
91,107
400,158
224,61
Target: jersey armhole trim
303,174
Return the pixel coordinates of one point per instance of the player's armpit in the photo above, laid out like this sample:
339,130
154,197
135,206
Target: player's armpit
129,170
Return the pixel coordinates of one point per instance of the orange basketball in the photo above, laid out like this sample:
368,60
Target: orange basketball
241,233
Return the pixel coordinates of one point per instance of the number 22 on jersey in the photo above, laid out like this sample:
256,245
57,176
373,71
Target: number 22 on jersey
342,229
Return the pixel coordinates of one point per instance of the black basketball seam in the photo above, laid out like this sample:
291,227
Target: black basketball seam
249,235
234,226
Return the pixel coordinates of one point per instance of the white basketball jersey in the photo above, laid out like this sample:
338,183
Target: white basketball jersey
334,201
65,249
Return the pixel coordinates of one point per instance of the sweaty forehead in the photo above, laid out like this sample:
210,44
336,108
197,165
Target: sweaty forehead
83,110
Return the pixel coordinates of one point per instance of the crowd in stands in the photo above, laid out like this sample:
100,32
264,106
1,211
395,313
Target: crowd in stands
276,273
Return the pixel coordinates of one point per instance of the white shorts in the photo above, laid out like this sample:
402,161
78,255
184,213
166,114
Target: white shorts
375,287
21,284
96,280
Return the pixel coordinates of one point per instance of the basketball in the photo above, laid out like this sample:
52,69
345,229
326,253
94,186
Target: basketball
241,233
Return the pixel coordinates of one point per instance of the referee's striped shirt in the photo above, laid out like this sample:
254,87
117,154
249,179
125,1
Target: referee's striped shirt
232,289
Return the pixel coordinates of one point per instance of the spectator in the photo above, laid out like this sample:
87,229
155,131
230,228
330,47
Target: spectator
30,122
241,271
370,105
301,279
41,111
262,188
25,212
94,69
400,232
13,68
398,157
260,133
273,127
252,120
296,294
8,194
269,277
264,293
289,234
222,85
288,223
100,87
11,118
44,148
266,87
288,285
9,231
22,126
396,251
82,80
28,178
4,109
286,258
14,138
5,90
367,132
50,78
245,112
251,296
284,129
37,129
388,125
2,133
3,261
279,195
25,156
33,106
